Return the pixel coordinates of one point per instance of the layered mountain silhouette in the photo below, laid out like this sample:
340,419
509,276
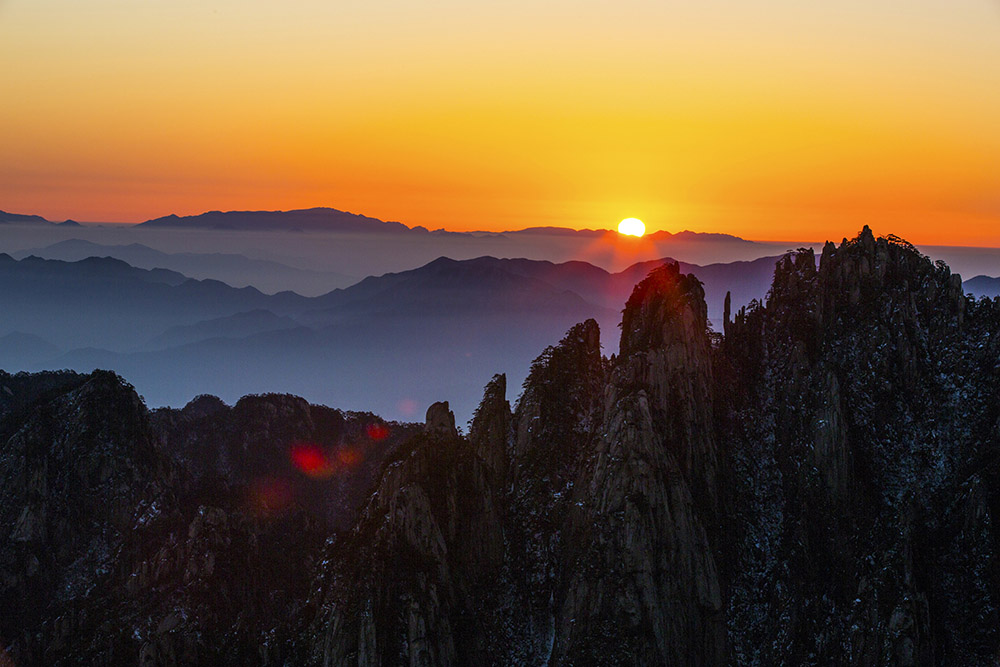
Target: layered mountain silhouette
233,269
814,485
104,302
332,220
328,241
443,328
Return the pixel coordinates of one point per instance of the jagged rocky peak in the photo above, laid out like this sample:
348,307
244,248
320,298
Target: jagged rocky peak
410,583
561,391
666,354
794,276
440,420
664,307
641,585
860,430
819,488
20,391
555,425
203,405
490,429
78,470
268,411
863,278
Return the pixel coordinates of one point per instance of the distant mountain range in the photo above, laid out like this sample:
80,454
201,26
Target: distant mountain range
311,219
325,219
324,248
332,220
233,269
447,322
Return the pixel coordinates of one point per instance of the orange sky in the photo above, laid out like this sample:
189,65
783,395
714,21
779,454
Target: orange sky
771,120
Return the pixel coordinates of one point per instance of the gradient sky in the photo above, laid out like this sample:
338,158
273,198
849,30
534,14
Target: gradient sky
773,120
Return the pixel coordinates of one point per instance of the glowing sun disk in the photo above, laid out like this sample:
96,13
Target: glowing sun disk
631,227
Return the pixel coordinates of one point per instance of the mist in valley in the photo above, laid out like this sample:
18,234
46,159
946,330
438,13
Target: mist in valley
388,320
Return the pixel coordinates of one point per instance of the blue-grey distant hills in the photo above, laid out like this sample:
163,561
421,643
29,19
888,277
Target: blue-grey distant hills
104,302
388,342
233,269
982,286
22,219
450,284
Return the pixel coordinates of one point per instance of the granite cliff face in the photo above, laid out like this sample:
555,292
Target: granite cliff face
864,422
815,486
77,475
407,585
173,538
642,585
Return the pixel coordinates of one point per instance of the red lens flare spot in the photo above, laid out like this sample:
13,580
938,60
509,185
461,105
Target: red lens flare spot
311,460
377,432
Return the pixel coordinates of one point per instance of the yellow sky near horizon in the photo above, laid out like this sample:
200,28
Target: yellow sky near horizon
770,120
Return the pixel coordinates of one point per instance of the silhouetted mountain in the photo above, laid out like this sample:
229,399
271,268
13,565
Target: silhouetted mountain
447,286
982,286
20,218
688,235
312,219
745,281
106,303
91,268
332,220
235,270
386,344
458,283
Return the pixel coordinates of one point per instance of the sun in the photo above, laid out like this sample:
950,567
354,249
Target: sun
631,227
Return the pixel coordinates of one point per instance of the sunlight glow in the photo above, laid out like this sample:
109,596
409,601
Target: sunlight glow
631,227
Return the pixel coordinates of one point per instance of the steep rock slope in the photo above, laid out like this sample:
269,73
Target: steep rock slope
864,435
642,583
79,474
183,537
406,585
